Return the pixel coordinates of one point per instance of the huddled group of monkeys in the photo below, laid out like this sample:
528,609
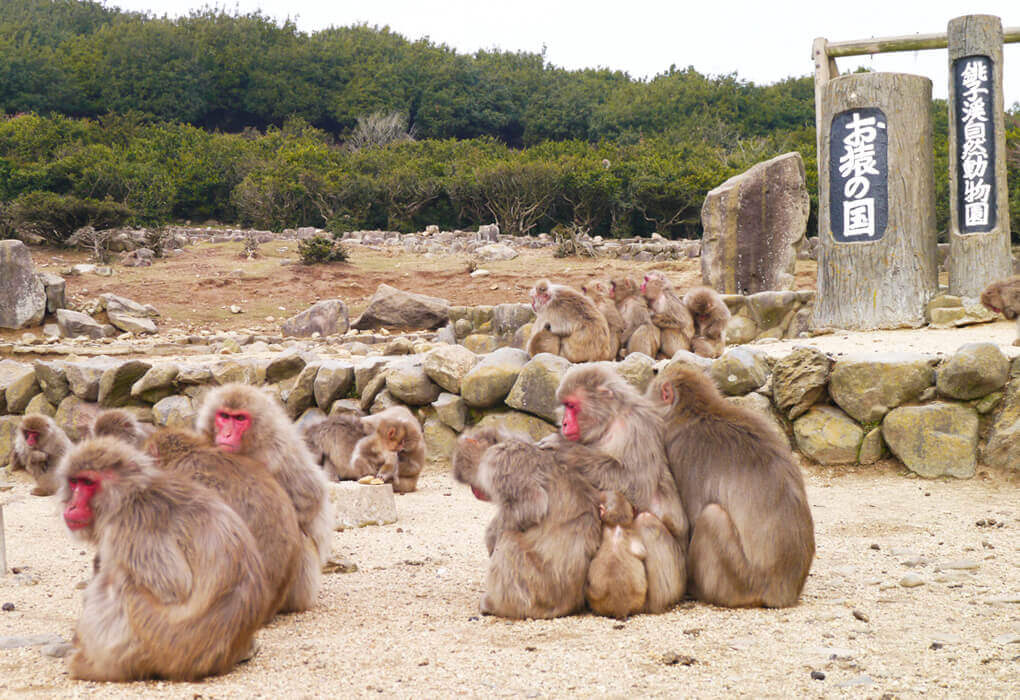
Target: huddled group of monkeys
614,318
203,536
639,500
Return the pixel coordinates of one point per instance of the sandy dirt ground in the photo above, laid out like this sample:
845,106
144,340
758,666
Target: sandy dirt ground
405,624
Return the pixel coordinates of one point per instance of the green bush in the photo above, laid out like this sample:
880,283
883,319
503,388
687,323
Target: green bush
56,216
321,249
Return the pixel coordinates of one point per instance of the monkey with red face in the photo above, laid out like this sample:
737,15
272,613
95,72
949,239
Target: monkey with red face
244,420
39,446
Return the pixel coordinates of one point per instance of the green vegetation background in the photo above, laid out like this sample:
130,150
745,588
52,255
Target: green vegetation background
107,115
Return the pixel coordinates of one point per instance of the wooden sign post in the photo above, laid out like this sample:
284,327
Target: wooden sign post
978,198
876,192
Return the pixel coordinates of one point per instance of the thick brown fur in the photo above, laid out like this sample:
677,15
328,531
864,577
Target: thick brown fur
398,430
546,530
616,584
332,442
669,314
247,487
601,293
40,460
274,441
752,535
639,333
711,316
564,312
1003,296
182,588
614,419
118,423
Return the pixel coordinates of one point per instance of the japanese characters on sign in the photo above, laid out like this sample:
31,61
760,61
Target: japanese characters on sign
975,145
858,175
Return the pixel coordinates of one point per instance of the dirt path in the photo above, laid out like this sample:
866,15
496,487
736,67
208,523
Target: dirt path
406,624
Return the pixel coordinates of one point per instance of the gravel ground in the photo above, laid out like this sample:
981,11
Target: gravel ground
405,624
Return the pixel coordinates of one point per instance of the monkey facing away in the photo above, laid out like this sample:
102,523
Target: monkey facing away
182,588
639,333
568,317
617,584
601,293
118,423
752,535
247,487
711,316
668,313
246,421
1003,297
546,529
396,430
39,445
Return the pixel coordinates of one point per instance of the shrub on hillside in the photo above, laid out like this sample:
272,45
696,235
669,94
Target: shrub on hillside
321,249
56,216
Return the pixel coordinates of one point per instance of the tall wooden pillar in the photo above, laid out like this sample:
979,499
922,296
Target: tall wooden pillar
876,194
979,250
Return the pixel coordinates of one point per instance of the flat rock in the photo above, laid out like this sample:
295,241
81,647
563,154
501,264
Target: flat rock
358,505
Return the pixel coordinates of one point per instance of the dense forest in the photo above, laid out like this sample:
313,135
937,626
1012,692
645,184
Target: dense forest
108,116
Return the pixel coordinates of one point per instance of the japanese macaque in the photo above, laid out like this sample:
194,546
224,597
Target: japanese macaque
711,316
247,487
397,430
752,536
1003,297
39,445
668,313
332,442
601,293
639,333
181,589
605,413
567,324
118,423
546,529
617,585
243,420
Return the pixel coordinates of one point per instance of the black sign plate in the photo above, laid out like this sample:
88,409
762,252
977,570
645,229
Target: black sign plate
859,175
975,145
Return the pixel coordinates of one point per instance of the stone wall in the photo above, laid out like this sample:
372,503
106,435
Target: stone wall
938,416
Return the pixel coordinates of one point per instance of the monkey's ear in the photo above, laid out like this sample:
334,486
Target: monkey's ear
667,393
391,433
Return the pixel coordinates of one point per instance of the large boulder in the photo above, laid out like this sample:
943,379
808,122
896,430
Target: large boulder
488,382
975,370
535,389
332,382
754,225
74,323
1003,447
451,411
447,365
740,370
828,436
52,377
394,308
407,382
799,379
327,317
869,387
22,295
18,385
936,439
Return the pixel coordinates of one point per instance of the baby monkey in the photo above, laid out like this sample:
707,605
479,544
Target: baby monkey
617,584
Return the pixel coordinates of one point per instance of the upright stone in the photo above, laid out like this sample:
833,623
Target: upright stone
978,196
754,226
876,221
22,296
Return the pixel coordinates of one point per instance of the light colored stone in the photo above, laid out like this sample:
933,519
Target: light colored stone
357,505
451,411
327,317
395,308
739,371
447,365
828,436
131,324
22,295
535,389
174,412
974,370
799,380
1003,447
18,384
869,387
332,382
115,384
489,381
517,422
408,383
937,439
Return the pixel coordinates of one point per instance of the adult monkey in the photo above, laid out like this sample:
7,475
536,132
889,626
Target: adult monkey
247,487
601,293
181,589
568,324
1003,296
752,536
605,413
118,423
711,316
639,333
39,445
241,419
668,313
